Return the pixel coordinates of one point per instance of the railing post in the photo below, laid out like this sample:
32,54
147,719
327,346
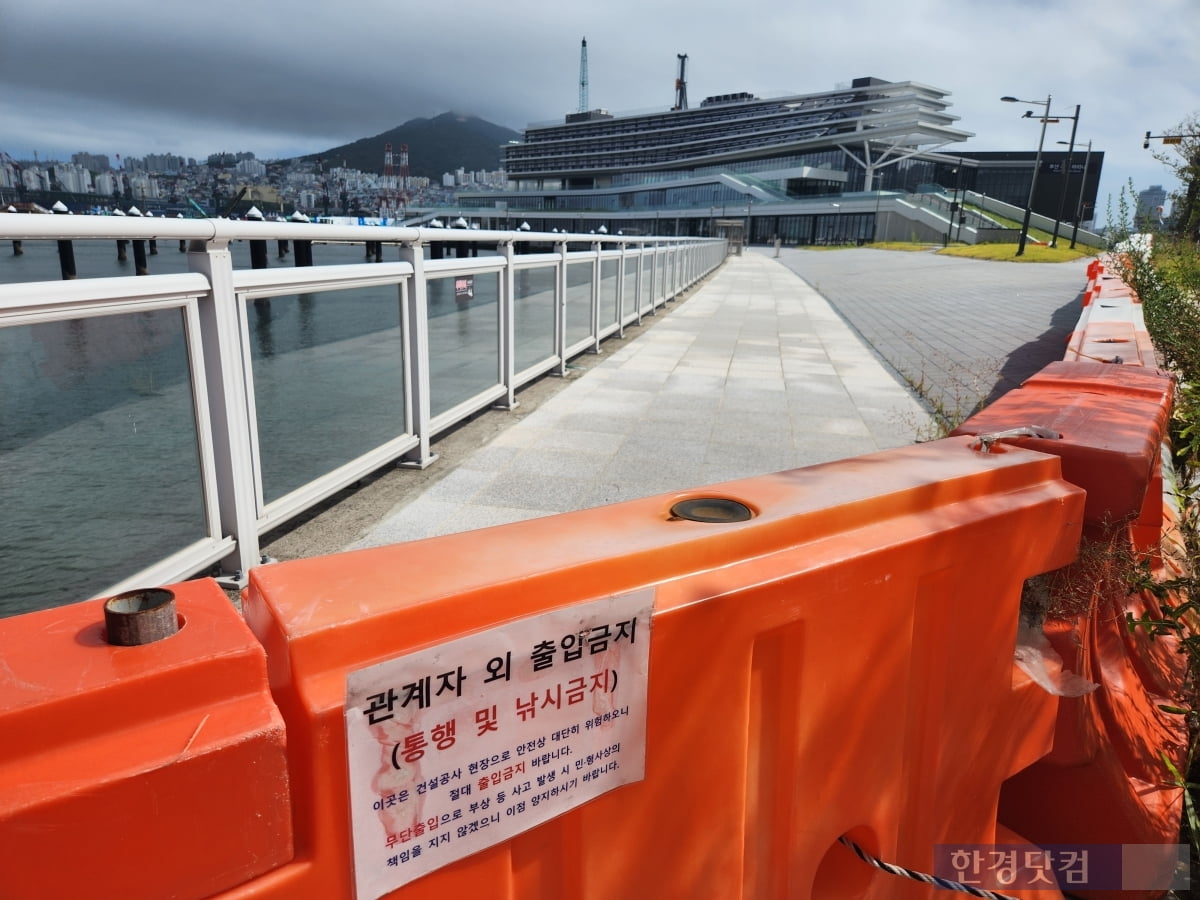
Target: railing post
621,289
416,357
654,279
508,329
226,375
560,309
596,271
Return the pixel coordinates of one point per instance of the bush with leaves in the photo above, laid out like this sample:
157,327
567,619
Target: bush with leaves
1163,268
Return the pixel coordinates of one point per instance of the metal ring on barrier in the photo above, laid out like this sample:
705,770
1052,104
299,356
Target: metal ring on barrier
984,441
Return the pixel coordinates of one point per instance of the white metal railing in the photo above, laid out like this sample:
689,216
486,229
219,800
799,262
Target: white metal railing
400,351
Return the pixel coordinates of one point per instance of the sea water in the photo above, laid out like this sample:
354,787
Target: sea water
99,452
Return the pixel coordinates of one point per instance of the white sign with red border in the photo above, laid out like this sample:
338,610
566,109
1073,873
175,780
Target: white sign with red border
458,747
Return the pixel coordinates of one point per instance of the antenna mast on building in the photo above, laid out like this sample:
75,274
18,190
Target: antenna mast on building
389,182
681,83
583,90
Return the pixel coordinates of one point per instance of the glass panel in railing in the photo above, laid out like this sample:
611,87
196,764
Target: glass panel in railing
533,311
328,380
629,302
99,466
464,338
610,311
579,301
660,280
649,285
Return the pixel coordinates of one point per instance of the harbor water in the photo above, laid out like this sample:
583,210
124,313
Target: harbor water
99,451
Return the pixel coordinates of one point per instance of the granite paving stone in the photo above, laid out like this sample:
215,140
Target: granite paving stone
771,364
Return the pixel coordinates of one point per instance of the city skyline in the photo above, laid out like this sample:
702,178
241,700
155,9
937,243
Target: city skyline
294,82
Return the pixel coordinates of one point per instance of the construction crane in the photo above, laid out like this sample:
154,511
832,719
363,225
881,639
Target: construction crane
583,90
681,83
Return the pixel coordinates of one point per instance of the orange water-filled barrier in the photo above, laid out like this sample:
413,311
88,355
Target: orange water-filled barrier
807,677
1112,420
140,772
1104,781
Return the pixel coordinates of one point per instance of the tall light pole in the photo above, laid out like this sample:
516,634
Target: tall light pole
1037,164
962,204
1087,158
1062,197
950,216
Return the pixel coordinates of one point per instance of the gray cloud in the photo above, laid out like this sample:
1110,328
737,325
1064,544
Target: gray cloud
282,79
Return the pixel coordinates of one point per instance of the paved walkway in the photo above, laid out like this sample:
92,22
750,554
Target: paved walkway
752,373
759,371
966,331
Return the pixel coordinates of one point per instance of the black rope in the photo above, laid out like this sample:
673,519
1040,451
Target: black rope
944,884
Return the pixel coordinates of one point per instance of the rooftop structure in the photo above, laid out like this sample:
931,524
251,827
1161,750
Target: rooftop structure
733,147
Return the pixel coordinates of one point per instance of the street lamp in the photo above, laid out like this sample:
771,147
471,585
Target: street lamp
954,207
1037,164
1062,197
1087,158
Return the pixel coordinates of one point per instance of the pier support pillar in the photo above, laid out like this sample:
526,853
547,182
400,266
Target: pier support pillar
66,259
140,266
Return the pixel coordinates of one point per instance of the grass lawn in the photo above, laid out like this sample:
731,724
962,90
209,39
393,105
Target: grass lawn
1034,253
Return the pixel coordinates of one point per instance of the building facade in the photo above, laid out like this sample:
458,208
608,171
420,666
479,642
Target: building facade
1151,203
731,148
741,152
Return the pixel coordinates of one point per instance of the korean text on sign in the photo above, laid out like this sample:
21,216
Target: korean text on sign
455,748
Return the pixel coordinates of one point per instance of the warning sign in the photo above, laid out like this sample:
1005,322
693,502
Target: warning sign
459,747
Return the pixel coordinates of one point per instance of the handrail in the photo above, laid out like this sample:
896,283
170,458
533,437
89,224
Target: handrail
29,227
278,426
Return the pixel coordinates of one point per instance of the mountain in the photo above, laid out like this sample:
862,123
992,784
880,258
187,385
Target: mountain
435,146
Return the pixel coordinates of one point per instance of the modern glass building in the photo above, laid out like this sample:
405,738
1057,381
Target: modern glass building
730,149
744,156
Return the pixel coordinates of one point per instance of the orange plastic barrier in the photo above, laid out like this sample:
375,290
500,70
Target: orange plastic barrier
1094,271
138,772
1111,330
1112,420
1104,783
814,671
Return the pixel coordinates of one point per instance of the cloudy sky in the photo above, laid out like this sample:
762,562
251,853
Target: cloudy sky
276,78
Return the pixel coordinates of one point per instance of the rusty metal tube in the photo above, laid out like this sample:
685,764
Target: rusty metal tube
140,617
